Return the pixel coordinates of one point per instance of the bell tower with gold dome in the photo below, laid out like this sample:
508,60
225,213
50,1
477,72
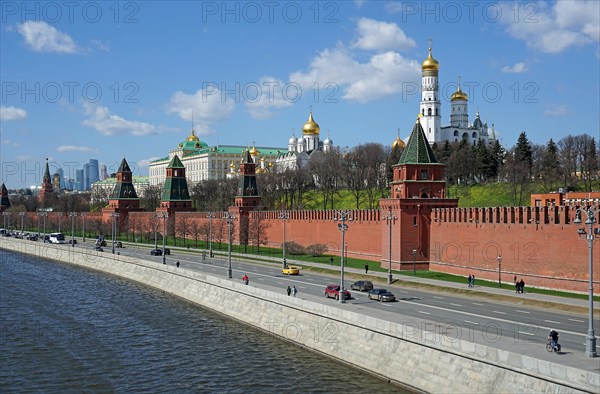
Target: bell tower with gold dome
430,98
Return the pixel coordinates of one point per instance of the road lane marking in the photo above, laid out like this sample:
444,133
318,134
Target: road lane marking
551,321
578,321
476,303
261,278
525,333
522,311
500,313
455,304
471,322
400,291
425,313
439,298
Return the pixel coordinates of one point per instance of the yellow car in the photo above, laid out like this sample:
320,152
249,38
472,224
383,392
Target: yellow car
290,270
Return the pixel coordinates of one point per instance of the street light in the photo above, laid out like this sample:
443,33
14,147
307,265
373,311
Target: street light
73,215
113,216
230,218
343,217
414,261
164,216
59,215
22,215
156,216
499,271
42,214
83,215
210,216
284,215
6,217
590,339
390,220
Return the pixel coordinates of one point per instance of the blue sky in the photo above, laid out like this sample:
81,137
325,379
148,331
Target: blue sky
101,80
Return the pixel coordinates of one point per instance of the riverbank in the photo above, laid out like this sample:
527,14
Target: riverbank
385,348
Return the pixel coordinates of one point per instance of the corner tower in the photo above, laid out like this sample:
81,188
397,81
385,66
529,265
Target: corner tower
430,98
47,190
4,201
175,195
123,198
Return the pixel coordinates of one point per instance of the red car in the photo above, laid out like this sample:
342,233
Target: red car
333,291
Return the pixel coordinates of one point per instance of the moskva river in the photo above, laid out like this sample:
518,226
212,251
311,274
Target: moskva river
63,328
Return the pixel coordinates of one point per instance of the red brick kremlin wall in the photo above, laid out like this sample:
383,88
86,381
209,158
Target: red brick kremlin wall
538,244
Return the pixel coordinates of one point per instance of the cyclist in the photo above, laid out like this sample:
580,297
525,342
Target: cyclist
553,336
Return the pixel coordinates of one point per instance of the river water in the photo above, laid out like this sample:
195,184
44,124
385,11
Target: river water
64,328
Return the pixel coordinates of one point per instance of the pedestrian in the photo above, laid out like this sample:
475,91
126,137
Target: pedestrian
177,264
517,286
245,279
469,282
366,268
522,285
472,280
294,291
515,279
331,260
289,291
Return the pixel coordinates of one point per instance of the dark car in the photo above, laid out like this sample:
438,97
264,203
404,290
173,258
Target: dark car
99,248
32,238
362,285
156,252
382,295
72,241
118,244
333,291
100,242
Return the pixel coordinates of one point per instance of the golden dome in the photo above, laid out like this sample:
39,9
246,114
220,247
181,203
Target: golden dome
192,137
430,64
232,165
398,143
254,152
311,127
259,171
459,95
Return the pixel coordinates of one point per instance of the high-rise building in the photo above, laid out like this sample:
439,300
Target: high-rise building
94,175
103,172
61,176
79,180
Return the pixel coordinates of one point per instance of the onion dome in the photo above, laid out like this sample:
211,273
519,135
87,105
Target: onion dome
430,64
293,140
327,141
311,127
398,143
254,152
301,140
192,137
459,95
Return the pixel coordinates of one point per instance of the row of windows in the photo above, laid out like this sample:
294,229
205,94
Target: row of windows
429,112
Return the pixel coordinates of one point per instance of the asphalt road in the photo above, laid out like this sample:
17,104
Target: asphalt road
517,328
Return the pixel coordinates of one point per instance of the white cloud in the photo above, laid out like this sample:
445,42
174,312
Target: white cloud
207,106
144,163
100,45
41,37
271,96
553,30
12,113
379,35
73,148
359,3
556,110
11,143
384,74
516,68
102,120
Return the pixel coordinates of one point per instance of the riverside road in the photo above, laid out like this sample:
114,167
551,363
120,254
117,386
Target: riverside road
447,317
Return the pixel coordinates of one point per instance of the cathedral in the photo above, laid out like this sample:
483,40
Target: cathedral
430,111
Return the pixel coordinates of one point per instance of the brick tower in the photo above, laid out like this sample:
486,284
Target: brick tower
123,198
175,195
47,189
4,201
418,186
247,198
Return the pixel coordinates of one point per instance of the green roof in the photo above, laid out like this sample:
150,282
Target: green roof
134,179
417,149
226,150
124,167
175,163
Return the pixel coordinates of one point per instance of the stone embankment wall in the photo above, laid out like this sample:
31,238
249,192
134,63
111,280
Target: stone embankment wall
391,350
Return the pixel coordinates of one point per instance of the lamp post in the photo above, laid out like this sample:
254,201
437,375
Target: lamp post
499,271
83,215
210,216
38,223
6,216
284,215
414,261
343,217
59,215
22,215
390,221
42,214
155,230
113,216
230,218
590,339
73,215
163,215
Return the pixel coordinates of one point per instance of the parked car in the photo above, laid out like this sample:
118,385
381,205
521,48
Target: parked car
156,252
32,237
333,291
100,242
290,270
381,295
362,285
118,244
72,241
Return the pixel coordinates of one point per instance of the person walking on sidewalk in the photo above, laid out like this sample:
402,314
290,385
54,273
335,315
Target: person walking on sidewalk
366,268
294,291
289,291
469,281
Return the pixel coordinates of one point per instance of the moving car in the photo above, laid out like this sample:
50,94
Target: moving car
100,242
362,285
158,252
382,295
99,248
32,237
290,270
118,244
72,241
333,291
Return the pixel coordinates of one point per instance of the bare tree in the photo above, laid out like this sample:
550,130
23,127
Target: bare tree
151,199
183,227
257,232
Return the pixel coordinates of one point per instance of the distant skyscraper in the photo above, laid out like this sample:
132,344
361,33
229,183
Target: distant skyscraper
79,180
61,175
91,173
103,172
86,176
